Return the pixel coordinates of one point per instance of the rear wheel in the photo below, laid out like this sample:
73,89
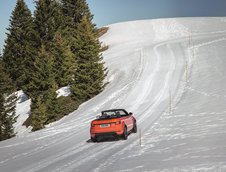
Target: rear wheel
134,130
93,139
125,134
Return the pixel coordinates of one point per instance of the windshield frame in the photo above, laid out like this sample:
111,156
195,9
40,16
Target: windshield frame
109,114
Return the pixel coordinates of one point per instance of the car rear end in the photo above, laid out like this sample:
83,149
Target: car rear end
106,128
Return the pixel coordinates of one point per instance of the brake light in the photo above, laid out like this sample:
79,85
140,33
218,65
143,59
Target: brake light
118,122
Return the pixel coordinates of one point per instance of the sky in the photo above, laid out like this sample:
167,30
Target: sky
113,11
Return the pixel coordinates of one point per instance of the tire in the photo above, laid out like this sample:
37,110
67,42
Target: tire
134,130
93,139
125,134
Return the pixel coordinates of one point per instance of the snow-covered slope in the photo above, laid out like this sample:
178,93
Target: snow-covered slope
22,113
148,61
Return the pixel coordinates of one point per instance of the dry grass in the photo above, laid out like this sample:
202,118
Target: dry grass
102,31
104,48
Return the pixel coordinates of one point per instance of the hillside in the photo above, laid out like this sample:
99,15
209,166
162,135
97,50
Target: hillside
171,74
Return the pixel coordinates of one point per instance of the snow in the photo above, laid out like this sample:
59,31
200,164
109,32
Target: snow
22,111
64,91
147,63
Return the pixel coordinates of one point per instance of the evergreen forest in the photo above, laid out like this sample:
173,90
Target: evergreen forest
54,47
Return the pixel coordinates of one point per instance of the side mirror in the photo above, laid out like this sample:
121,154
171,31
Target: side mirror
130,113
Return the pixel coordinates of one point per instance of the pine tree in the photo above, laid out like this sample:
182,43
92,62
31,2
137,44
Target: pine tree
42,75
48,19
52,104
20,52
75,10
64,59
90,74
90,71
43,89
39,115
2,109
54,65
7,105
50,23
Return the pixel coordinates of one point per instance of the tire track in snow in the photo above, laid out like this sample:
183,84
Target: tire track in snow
134,142
67,156
65,153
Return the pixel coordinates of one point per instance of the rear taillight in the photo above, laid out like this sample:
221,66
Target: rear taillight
92,125
118,122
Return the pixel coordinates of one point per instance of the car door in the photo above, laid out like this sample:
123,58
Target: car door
128,121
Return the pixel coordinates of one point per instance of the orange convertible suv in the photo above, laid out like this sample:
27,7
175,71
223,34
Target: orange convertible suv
113,123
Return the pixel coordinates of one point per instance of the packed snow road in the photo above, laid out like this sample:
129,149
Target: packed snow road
149,62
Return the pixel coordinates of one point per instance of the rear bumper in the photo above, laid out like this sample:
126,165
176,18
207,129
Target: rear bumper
114,130
106,134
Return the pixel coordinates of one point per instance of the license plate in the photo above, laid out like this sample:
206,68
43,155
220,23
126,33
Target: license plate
104,125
